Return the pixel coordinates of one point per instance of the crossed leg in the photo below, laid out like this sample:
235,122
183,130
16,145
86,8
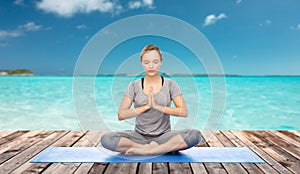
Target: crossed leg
174,144
122,142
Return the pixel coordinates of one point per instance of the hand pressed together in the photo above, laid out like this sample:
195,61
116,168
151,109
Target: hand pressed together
151,101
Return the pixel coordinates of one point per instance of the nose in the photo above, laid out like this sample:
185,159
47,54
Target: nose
150,65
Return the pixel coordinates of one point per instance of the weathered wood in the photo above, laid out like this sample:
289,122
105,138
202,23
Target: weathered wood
287,137
23,138
286,144
121,168
211,167
230,168
251,168
8,138
158,168
198,168
178,168
27,154
213,141
15,150
251,142
93,137
145,168
296,133
95,169
4,133
241,141
88,140
67,140
275,150
280,150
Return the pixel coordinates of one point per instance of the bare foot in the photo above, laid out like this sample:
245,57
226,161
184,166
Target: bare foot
136,151
142,150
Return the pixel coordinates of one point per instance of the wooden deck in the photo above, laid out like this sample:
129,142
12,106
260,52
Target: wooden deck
280,150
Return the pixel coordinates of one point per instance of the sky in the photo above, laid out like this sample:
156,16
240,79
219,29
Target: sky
250,37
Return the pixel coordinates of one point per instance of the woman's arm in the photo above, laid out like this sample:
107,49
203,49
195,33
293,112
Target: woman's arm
126,112
179,110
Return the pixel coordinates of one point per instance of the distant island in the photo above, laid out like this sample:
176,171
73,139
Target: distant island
17,72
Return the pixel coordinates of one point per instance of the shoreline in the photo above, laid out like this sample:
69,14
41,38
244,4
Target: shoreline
171,75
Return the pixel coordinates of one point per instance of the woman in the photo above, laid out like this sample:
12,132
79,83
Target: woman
152,96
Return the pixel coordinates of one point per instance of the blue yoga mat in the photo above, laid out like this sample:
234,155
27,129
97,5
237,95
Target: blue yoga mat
101,155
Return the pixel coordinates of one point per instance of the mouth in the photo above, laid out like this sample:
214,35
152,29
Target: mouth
151,71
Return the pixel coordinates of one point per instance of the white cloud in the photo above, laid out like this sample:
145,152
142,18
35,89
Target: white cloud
134,5
268,21
81,27
212,19
295,28
238,1
140,4
10,33
20,30
30,26
148,3
3,44
68,8
19,2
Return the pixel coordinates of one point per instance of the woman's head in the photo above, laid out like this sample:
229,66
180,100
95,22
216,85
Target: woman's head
148,48
151,59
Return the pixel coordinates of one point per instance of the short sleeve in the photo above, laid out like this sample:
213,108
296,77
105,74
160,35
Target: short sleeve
174,89
130,91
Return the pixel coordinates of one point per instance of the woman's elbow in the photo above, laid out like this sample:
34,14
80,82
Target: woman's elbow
184,113
120,118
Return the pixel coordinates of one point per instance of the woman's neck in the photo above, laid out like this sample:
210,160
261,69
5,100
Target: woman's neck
153,79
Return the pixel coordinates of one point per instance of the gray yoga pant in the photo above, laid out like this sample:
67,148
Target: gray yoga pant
111,140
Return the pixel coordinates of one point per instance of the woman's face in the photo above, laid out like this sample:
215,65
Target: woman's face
151,62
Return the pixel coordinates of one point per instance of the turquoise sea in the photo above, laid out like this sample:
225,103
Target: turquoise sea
56,102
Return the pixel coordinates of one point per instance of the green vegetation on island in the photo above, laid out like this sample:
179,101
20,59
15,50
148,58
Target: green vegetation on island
17,72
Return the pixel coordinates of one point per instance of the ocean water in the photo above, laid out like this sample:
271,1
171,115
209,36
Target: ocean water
235,103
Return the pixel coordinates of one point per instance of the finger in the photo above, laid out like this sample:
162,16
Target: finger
151,89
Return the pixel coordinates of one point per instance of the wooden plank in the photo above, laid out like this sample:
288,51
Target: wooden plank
199,167
68,139
121,168
242,141
91,138
219,140
288,137
250,168
94,138
178,168
27,154
4,133
95,169
23,138
287,144
8,138
145,168
211,140
238,168
273,146
15,150
249,141
295,132
158,168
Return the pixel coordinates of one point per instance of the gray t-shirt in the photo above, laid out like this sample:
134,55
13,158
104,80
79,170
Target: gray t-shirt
152,122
